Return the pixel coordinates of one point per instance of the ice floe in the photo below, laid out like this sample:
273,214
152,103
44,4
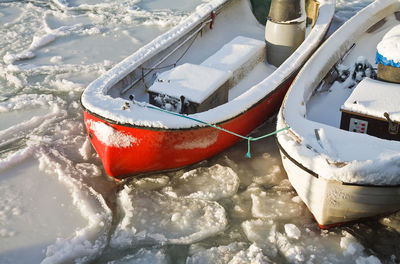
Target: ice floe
159,218
234,253
213,183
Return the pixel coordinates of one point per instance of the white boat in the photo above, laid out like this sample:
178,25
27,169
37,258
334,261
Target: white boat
342,151
157,109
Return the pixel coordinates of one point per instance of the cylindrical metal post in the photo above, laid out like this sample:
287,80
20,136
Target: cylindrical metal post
285,29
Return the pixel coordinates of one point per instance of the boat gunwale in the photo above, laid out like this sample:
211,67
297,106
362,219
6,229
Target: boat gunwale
199,126
316,175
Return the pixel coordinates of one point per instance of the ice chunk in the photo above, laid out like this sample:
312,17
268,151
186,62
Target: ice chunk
159,218
86,149
212,183
150,183
56,59
263,233
233,253
88,169
11,58
294,253
350,245
292,231
143,256
368,260
221,254
41,41
252,255
269,205
242,202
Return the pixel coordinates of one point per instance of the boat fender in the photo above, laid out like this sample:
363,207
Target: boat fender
285,29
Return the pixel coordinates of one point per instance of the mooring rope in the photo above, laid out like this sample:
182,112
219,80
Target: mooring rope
248,154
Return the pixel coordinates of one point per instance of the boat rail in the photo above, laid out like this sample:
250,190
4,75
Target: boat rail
194,34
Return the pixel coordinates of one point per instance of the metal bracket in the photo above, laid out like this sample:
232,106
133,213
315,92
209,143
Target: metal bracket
393,128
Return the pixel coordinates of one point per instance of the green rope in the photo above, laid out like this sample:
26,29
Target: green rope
248,154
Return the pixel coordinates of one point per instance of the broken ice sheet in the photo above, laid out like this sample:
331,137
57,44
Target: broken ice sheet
154,217
153,256
212,183
275,206
35,209
233,253
319,246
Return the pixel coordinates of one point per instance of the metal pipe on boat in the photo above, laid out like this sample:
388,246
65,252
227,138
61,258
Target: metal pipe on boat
285,29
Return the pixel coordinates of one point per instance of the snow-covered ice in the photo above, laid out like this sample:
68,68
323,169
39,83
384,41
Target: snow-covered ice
154,217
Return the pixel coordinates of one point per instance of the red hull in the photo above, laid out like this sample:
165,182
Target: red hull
163,149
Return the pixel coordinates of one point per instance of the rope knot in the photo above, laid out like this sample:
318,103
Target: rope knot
248,154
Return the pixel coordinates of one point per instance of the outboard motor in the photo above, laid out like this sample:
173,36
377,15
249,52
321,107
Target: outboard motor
285,29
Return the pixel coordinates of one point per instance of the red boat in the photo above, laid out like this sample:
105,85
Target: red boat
159,108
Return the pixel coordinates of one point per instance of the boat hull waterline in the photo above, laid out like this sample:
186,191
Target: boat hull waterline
335,203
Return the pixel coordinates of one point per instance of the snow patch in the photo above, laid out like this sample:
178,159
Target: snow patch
203,142
16,157
389,47
110,136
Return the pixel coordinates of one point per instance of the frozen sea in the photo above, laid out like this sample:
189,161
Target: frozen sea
58,206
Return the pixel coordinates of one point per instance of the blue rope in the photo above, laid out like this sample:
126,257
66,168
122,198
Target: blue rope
248,154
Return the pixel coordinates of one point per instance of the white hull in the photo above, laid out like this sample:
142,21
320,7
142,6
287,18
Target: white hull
340,175
334,203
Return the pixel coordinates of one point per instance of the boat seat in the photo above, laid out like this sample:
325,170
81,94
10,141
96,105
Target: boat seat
195,92
239,56
180,90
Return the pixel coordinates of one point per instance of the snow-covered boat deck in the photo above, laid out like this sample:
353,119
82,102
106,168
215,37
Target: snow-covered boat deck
312,110
324,106
107,95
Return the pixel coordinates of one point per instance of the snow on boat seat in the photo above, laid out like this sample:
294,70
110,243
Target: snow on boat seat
239,56
190,88
180,90
373,108
388,56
